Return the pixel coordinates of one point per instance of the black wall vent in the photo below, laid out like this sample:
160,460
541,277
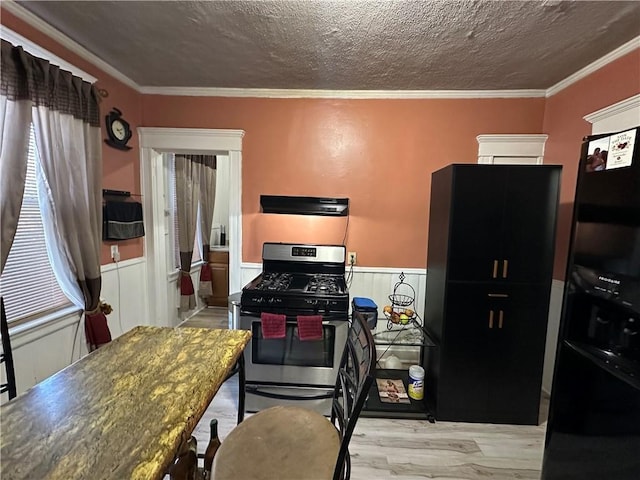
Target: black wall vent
337,207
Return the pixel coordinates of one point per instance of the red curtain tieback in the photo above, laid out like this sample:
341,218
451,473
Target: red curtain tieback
96,330
186,285
205,273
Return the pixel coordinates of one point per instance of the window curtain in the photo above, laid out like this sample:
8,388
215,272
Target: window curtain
207,203
188,169
15,119
66,119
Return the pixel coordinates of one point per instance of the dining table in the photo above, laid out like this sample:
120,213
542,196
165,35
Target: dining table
120,412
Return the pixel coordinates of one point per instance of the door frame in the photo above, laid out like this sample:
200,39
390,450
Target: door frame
516,148
155,141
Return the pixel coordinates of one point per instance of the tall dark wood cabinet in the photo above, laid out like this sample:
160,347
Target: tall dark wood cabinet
489,270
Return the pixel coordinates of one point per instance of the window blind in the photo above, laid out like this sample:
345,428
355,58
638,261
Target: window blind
28,284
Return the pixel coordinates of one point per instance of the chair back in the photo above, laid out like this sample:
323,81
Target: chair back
355,377
7,356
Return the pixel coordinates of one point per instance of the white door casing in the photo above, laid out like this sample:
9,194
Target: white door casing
511,149
153,143
616,117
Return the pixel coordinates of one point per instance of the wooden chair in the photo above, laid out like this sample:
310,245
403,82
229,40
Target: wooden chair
286,443
7,356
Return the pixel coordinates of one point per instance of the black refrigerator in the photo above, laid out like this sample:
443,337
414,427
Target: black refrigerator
593,430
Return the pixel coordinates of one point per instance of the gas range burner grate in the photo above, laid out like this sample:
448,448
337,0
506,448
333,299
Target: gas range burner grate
323,284
275,281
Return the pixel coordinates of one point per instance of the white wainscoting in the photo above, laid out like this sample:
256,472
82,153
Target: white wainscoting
377,284
43,349
249,271
124,288
49,344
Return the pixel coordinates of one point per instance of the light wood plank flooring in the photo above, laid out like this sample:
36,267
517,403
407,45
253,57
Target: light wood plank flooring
385,449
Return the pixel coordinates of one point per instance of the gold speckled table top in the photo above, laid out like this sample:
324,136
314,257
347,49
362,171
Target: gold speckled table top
120,412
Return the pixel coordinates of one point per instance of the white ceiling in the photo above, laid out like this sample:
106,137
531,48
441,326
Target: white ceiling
346,45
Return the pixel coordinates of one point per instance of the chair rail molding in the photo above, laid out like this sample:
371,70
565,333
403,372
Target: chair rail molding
155,141
528,149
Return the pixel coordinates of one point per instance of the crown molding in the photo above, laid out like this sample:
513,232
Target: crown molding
615,109
67,42
346,94
39,24
621,51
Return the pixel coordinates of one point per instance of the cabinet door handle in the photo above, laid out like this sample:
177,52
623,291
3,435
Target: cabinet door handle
497,295
490,318
500,318
495,269
505,266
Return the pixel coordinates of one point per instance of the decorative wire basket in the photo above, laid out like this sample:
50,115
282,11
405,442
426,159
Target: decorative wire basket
401,300
398,313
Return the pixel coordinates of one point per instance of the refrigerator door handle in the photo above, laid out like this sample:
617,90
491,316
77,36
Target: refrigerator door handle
505,266
495,269
500,318
490,318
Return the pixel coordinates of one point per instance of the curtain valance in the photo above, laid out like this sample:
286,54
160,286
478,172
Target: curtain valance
25,77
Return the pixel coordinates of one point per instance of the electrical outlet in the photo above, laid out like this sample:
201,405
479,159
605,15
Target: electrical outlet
351,258
115,254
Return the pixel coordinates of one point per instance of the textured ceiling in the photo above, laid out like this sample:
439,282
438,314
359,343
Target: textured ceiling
346,45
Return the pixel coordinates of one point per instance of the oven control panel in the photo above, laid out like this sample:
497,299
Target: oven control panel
303,251
266,300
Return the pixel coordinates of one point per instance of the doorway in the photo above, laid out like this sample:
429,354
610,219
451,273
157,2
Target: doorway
153,143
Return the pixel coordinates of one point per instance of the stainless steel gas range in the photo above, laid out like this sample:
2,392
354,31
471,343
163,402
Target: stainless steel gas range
296,280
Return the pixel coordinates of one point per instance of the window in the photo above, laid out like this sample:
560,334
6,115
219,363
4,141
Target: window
173,208
28,284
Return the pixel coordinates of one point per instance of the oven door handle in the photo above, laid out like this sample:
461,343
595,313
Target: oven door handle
294,323
279,396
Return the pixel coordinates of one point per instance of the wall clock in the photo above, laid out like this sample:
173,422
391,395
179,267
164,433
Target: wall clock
118,130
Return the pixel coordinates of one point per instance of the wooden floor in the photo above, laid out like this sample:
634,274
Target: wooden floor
385,449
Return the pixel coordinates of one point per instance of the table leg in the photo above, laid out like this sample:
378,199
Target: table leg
241,387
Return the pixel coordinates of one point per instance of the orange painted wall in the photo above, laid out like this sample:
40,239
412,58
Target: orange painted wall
121,169
379,153
564,123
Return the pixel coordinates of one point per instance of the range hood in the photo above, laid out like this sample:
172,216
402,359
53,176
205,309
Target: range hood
336,207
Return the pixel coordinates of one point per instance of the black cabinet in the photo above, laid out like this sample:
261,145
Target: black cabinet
489,266
498,216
